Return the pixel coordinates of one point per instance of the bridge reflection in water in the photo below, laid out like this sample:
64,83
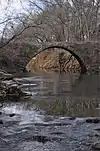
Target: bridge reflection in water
57,94
56,58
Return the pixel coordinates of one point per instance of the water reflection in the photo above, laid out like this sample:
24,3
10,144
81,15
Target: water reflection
62,94
22,113
89,86
70,107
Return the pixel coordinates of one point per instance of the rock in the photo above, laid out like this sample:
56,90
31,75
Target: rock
96,146
1,105
11,83
97,135
57,133
42,139
72,118
9,86
97,129
1,122
5,76
0,113
11,115
93,120
13,90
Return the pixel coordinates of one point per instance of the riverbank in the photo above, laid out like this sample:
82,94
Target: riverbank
9,87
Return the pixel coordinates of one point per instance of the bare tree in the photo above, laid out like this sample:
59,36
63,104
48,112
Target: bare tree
52,20
9,22
70,20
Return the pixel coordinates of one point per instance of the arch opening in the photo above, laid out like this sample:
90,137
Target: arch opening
83,69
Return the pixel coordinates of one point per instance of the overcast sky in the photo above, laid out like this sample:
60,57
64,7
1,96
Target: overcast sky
8,7
11,8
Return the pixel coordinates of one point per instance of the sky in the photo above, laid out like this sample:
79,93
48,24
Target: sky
11,8
8,7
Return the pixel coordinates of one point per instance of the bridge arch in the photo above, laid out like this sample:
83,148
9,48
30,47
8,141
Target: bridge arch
82,65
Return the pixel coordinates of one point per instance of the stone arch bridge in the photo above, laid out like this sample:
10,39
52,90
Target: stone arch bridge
87,53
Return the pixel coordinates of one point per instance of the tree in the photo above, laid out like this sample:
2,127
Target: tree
53,20
9,22
70,20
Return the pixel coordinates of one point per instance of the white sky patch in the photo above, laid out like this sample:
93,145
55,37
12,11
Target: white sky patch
11,9
8,8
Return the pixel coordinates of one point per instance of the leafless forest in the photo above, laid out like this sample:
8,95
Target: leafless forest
51,20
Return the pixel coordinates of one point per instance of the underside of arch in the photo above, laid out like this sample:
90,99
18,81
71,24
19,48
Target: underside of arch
81,63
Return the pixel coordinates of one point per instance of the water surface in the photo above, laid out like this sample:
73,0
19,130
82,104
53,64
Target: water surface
42,119
63,94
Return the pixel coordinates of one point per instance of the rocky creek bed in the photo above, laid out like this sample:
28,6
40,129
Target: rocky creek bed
55,134
39,123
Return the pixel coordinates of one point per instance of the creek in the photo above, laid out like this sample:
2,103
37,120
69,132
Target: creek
52,117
